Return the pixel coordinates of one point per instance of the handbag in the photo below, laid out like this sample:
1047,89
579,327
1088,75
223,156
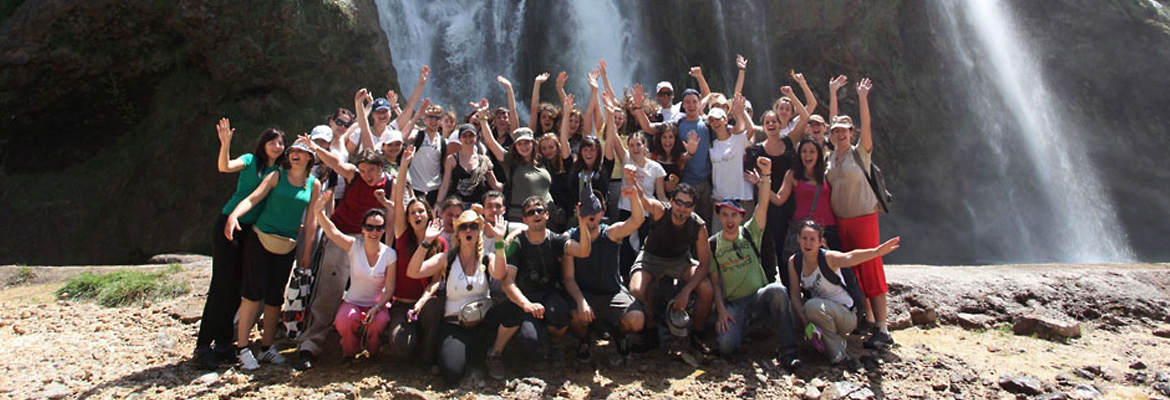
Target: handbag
275,244
792,237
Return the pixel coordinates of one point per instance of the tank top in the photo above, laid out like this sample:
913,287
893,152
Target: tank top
285,207
804,192
367,279
822,288
470,186
359,198
406,287
670,241
246,183
457,293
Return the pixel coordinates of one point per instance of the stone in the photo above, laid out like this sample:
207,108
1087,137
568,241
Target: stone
1021,384
1053,396
846,390
811,393
900,321
18,329
923,316
1138,365
818,383
408,393
1084,392
1046,327
1163,388
939,386
56,390
1162,377
1163,332
973,321
208,378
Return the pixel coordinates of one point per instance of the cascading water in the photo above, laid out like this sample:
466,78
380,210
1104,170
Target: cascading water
1007,92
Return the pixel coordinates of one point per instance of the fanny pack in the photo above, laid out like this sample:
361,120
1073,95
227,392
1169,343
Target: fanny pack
474,312
275,244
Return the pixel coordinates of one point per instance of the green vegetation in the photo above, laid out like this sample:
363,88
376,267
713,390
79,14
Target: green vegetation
24,275
124,287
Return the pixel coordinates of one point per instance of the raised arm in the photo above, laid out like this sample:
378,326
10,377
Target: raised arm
562,78
741,64
587,120
533,116
489,139
613,142
579,248
777,199
704,90
364,104
448,165
224,163
654,207
643,120
422,267
247,203
605,78
808,93
764,168
620,230
797,131
410,124
863,88
344,169
838,260
834,85
345,242
513,119
742,122
399,192
568,106
408,113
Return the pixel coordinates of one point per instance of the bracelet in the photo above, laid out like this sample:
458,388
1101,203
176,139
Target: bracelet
427,245
499,245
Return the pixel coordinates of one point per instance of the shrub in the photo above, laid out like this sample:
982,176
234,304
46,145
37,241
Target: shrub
123,287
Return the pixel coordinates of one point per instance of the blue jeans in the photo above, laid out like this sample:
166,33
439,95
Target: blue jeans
770,305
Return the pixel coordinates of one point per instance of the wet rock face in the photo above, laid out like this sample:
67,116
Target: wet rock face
109,110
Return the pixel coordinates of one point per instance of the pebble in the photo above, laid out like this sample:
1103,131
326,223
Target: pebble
1138,365
208,378
811,393
1084,392
56,391
19,330
1163,332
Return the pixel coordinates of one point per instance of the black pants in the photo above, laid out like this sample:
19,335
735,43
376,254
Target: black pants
527,338
415,339
459,347
223,294
772,257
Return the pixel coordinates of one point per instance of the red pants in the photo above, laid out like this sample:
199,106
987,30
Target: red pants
348,323
863,233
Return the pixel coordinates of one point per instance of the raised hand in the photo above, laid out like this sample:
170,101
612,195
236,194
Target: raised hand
639,95
541,78
796,76
889,246
838,83
561,79
593,75
629,192
864,87
764,165
751,177
601,67
504,81
320,204
692,143
786,90
631,173
380,195
225,131
392,98
424,73
569,104
696,72
434,229
740,62
738,102
496,228
407,155
363,100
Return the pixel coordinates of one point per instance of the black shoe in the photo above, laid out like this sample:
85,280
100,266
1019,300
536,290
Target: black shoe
584,352
649,341
622,344
226,354
305,361
851,363
205,358
698,342
790,362
879,340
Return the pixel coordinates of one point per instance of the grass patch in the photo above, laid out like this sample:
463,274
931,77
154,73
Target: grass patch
23,275
124,287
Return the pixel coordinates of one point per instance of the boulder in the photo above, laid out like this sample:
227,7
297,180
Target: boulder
1046,327
973,321
923,316
1021,384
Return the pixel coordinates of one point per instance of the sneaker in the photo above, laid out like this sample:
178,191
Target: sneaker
305,361
880,340
495,365
205,358
272,356
813,335
248,361
790,362
584,352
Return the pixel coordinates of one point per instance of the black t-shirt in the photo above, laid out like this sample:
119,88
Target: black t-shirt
600,273
780,164
538,266
671,241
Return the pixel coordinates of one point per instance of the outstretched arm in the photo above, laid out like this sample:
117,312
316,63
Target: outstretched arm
643,120
764,167
363,102
834,85
863,88
399,192
534,116
422,267
704,90
808,93
838,260
620,230
777,199
561,79
345,242
408,113
568,106
741,63
579,248
654,207
489,139
343,169
513,119
587,121
797,131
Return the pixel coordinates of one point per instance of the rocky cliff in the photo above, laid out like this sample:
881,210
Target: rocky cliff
109,108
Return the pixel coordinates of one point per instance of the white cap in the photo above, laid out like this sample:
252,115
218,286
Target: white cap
664,85
322,132
391,136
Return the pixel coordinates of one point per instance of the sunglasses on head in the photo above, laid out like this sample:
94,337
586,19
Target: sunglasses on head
533,211
470,226
680,203
373,228
342,123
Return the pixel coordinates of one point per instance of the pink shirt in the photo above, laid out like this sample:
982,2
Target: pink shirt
805,192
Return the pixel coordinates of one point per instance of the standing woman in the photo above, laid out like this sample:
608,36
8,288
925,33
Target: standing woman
223,294
269,246
467,174
806,183
856,209
525,175
668,152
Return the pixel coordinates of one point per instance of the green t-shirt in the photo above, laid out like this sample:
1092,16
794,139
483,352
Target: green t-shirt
738,264
285,207
245,184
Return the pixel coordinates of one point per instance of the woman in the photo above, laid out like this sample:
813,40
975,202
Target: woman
727,151
806,183
651,178
594,164
856,207
223,294
286,195
469,172
371,283
544,116
830,308
525,175
463,279
391,151
668,153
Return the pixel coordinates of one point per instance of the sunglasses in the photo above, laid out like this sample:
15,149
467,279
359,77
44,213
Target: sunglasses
471,226
680,203
666,93
373,228
342,123
434,117
468,133
533,211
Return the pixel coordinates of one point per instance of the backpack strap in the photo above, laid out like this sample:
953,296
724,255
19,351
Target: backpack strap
868,174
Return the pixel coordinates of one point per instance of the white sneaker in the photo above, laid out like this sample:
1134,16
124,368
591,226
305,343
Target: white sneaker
272,356
248,361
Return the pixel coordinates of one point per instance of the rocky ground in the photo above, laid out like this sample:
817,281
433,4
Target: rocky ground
1050,331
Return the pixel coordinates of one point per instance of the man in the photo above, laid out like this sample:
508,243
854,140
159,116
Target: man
596,291
381,109
426,172
742,291
668,110
693,130
534,260
362,181
674,227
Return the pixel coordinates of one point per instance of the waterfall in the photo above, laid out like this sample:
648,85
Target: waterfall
1051,206
603,30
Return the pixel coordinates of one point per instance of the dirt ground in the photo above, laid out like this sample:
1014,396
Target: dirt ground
60,349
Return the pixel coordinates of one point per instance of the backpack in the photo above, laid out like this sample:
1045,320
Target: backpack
877,183
421,135
850,284
451,260
747,234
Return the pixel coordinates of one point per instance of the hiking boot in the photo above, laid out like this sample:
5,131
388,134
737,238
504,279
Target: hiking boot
226,354
305,361
880,340
584,352
495,365
248,361
205,358
271,356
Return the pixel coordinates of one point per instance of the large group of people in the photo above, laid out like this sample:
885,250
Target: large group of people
461,241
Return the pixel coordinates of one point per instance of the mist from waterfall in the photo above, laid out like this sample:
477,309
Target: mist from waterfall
1050,206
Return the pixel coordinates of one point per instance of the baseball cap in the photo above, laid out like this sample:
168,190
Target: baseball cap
664,85
322,132
381,104
730,203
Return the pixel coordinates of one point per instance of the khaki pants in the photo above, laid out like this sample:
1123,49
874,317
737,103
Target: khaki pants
328,290
835,321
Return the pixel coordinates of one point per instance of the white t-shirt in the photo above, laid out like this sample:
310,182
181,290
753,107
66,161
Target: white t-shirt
426,171
457,283
367,281
727,169
672,114
822,288
647,174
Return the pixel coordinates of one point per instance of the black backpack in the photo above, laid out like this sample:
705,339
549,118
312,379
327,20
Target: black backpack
451,254
850,284
877,183
420,136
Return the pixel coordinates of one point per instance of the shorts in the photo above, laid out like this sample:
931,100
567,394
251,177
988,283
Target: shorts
265,275
662,266
610,308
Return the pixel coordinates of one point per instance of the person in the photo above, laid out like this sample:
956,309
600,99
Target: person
727,153
697,170
380,110
830,307
668,111
223,293
362,181
286,195
391,151
429,144
856,209
448,210
597,292
463,273
668,151
666,255
554,155
787,109
544,116
497,228
467,175
650,177
526,176
333,136
531,284
592,168
371,283
742,292
504,122
806,183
